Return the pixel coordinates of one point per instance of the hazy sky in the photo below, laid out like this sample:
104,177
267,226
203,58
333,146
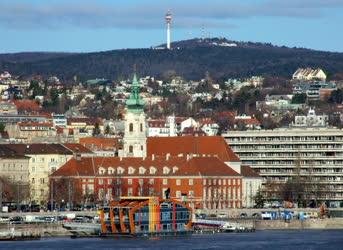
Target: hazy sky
84,25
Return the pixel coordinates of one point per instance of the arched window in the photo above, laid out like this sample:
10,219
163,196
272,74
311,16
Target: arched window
141,127
131,127
131,149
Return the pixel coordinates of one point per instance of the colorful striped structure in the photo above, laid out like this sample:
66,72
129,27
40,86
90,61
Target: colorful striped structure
146,215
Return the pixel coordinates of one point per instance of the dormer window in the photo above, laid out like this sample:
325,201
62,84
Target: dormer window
152,170
131,170
102,171
166,170
110,170
175,169
120,170
142,170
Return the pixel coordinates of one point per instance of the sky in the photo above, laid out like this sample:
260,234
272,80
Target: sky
85,25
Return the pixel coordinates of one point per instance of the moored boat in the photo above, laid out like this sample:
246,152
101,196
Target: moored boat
139,216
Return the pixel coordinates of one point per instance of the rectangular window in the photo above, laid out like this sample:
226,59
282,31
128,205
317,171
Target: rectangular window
191,193
178,182
109,181
190,182
165,181
101,194
129,191
140,181
178,194
101,181
151,181
224,182
204,182
129,181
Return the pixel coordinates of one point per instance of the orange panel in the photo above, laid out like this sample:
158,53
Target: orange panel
103,222
113,226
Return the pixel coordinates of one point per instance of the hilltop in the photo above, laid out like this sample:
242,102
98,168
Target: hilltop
222,58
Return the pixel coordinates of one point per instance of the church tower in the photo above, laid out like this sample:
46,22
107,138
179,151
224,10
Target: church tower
135,124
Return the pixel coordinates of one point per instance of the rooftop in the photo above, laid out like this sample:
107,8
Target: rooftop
198,145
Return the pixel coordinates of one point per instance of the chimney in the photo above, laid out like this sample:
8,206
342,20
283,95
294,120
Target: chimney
77,155
167,156
153,157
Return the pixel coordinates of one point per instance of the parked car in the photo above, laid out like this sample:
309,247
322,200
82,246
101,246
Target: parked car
266,216
243,215
256,216
222,215
16,220
4,219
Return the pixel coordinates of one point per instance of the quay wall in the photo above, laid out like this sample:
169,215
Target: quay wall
43,229
56,230
328,223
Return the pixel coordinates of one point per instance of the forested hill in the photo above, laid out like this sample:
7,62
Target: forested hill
189,58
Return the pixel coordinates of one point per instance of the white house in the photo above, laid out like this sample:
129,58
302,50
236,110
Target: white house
309,74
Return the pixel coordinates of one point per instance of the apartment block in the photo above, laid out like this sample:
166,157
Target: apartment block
313,154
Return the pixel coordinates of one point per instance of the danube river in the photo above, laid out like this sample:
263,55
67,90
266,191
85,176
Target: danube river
295,239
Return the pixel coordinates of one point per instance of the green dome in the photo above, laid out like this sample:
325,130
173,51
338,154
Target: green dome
135,103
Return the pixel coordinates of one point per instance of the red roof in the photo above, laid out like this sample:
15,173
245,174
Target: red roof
89,166
100,143
251,121
202,145
87,120
226,114
35,124
205,166
205,121
193,131
199,166
157,123
27,105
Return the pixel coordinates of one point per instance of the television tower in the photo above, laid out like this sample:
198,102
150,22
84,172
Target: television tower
168,21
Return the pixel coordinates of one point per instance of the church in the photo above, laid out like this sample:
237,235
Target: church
135,135
203,171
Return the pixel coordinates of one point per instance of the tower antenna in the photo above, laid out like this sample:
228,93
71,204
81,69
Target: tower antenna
168,19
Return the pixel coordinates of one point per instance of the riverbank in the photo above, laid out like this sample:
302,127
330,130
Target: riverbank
328,223
57,230
42,229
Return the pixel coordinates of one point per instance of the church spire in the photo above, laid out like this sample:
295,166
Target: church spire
135,104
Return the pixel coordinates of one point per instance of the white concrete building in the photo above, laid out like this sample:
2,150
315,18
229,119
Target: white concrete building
162,128
314,154
311,120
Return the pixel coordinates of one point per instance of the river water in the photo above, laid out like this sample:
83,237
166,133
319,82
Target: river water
295,240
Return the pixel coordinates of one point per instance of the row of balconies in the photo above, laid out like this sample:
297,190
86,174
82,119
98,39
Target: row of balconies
294,158
336,141
286,174
291,164
243,149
